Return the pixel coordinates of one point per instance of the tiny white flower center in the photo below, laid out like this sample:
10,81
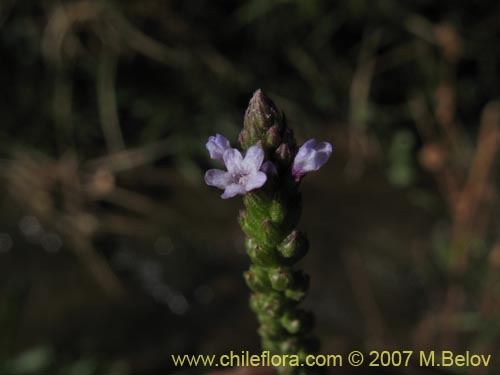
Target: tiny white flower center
242,179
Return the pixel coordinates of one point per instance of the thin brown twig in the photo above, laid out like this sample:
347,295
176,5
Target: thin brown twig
489,307
132,157
78,233
434,155
359,108
469,220
467,215
106,95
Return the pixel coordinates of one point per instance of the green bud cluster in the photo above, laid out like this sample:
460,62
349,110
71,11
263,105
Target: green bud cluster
273,243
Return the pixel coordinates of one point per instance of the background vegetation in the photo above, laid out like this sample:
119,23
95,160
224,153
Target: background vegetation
113,252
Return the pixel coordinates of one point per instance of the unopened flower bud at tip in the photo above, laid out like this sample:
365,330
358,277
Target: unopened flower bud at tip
261,115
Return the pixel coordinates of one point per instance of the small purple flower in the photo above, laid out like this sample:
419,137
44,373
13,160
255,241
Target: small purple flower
311,157
216,146
243,174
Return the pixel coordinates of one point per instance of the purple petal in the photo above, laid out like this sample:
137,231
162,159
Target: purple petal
233,160
255,181
269,168
217,178
233,190
323,152
253,158
324,147
310,157
309,144
216,146
305,150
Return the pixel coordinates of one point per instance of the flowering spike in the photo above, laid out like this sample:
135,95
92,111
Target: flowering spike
267,177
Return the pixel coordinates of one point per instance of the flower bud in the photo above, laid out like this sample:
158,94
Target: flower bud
277,212
260,255
271,329
258,205
297,321
257,278
298,290
260,116
270,233
281,278
289,138
255,303
271,304
294,246
290,346
251,226
296,294
269,343
273,137
284,155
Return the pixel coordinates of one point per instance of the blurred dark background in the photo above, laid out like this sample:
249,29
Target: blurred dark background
113,252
